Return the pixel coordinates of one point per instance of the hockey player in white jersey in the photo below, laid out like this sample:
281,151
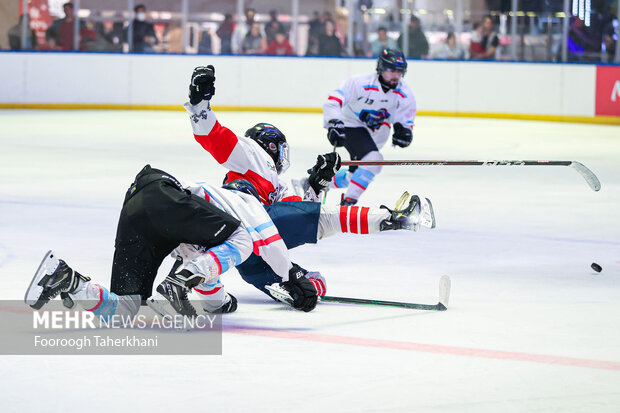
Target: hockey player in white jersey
255,162
359,114
212,229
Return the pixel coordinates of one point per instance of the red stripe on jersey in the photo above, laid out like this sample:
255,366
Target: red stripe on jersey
220,142
336,99
100,300
217,261
360,185
210,292
385,123
263,186
353,219
398,93
267,241
291,198
343,218
364,220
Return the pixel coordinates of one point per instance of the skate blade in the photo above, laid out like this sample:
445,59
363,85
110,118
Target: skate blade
297,187
48,265
427,215
158,303
444,290
279,293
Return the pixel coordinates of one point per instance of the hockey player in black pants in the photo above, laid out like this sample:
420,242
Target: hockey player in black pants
159,214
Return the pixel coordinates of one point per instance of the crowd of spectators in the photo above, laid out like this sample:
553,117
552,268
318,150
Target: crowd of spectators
325,37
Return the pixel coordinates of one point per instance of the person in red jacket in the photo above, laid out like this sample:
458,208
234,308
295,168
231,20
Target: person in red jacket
280,46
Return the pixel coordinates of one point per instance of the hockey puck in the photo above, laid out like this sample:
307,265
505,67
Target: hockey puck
596,267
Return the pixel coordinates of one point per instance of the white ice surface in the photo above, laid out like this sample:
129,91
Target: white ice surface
517,243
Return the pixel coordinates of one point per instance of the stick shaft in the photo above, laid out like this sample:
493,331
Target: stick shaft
586,173
414,306
459,163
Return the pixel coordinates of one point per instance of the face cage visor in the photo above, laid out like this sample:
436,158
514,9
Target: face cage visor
283,158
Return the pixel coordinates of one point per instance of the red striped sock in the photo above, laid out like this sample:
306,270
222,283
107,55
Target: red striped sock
354,219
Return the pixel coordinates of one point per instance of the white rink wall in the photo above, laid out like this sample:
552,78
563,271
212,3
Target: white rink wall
291,82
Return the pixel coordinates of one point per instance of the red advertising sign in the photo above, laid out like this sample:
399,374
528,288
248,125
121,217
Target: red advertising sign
607,91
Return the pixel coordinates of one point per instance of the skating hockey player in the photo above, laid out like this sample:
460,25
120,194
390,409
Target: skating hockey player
255,162
358,115
212,229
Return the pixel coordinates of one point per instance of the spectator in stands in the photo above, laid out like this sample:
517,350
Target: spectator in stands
579,42
242,29
204,46
484,41
254,42
418,44
280,45
144,38
450,49
329,43
316,27
225,32
112,33
383,41
273,27
15,37
59,36
609,32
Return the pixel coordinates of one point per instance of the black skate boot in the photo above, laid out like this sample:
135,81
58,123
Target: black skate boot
53,277
229,306
170,297
348,201
405,218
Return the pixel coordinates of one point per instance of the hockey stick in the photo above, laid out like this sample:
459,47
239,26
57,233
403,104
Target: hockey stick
442,305
583,170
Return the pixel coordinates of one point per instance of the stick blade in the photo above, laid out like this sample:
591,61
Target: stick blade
444,291
587,174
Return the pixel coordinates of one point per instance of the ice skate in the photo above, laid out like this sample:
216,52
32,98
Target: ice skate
52,277
300,186
229,305
427,214
404,218
170,297
348,201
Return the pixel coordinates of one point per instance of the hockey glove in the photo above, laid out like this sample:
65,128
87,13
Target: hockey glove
335,132
202,86
323,172
402,136
302,291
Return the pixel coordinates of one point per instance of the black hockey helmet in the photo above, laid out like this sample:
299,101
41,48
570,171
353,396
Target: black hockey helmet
391,59
242,185
273,141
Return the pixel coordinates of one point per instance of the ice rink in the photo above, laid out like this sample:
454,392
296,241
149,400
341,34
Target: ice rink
530,327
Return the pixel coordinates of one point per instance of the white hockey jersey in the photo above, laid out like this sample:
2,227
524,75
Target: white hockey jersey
267,242
363,93
241,155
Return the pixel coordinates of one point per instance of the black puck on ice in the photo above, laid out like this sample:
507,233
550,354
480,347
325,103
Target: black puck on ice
596,267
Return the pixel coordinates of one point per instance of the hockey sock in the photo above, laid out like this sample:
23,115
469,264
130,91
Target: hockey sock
211,294
219,259
360,179
351,219
103,303
341,179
